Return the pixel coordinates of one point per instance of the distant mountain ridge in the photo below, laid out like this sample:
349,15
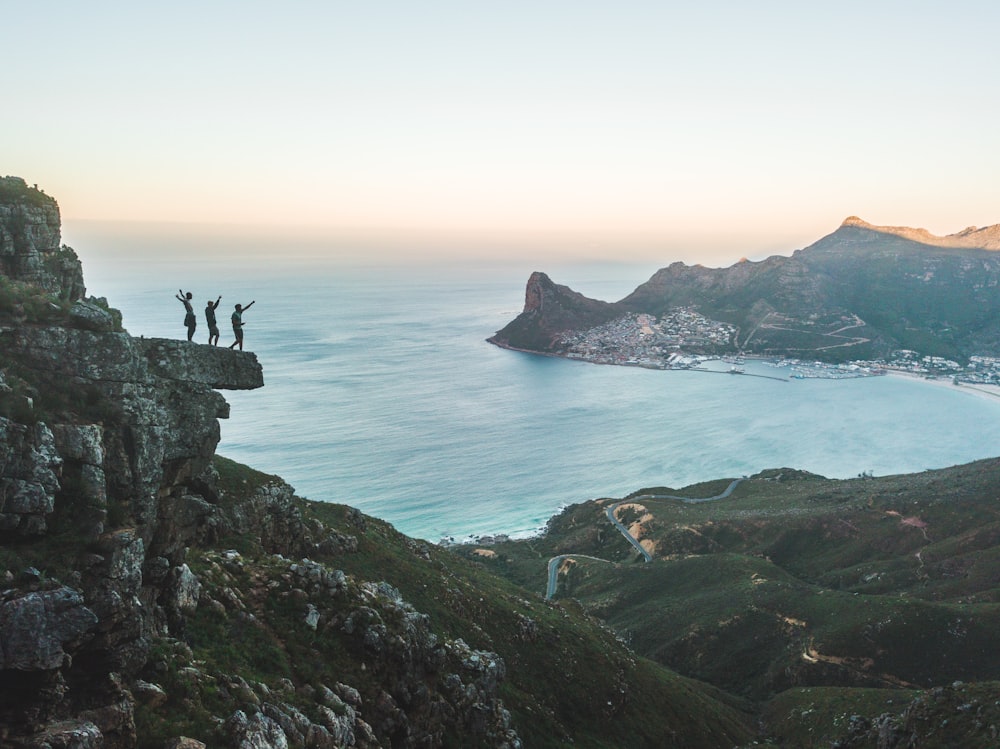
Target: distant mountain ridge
895,287
986,237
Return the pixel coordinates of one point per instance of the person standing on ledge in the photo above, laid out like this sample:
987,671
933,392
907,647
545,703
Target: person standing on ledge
238,324
213,328
190,321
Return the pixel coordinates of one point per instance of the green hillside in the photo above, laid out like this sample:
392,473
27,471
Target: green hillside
567,679
875,590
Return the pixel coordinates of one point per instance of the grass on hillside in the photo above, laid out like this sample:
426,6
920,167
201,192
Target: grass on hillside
799,580
569,679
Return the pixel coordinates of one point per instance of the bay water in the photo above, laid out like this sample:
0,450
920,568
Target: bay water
381,392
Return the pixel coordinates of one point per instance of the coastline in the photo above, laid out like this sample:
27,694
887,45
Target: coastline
989,392
974,389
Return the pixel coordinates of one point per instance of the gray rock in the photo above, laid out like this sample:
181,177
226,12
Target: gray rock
255,731
149,694
37,628
71,734
30,236
29,475
90,316
311,617
185,590
218,368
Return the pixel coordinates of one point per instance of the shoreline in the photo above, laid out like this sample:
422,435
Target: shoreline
977,390
974,389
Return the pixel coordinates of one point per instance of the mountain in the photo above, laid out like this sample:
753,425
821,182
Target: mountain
859,293
154,594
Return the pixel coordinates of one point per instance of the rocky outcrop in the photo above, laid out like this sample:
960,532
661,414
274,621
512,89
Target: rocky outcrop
153,403
107,482
30,237
38,627
29,476
418,687
102,433
549,311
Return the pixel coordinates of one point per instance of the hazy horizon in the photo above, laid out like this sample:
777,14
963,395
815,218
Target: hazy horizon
114,239
645,131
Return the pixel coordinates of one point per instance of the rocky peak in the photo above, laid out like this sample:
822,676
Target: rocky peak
534,292
549,310
30,241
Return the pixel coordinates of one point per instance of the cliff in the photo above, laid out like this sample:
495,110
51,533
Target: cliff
30,241
103,436
107,464
550,310
154,594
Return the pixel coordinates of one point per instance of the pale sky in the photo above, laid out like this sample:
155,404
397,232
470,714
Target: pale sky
665,130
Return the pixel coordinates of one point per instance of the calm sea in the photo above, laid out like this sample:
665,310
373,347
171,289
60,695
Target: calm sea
382,393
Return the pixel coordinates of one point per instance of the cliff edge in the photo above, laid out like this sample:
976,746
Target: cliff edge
156,595
105,441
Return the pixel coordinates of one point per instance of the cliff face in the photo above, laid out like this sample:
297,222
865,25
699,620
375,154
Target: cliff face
549,310
30,237
102,437
109,495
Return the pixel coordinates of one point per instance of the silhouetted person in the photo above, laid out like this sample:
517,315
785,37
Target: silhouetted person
190,321
238,324
213,328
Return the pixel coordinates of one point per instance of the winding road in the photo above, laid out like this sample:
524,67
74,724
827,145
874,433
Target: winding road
689,500
554,562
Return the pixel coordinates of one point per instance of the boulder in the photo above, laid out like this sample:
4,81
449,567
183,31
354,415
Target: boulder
38,628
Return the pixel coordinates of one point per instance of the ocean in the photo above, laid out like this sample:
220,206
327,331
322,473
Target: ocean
382,393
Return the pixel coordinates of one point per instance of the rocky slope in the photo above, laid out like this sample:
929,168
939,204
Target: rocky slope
153,594
896,288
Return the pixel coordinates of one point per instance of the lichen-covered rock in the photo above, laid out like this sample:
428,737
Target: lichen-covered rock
184,590
38,629
222,369
29,476
70,734
90,316
255,731
148,694
30,234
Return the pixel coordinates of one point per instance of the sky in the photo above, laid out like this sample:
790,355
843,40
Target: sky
662,131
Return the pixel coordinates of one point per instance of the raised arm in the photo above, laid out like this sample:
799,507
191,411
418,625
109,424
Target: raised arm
248,306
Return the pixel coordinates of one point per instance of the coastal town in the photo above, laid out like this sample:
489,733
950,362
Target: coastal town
670,342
